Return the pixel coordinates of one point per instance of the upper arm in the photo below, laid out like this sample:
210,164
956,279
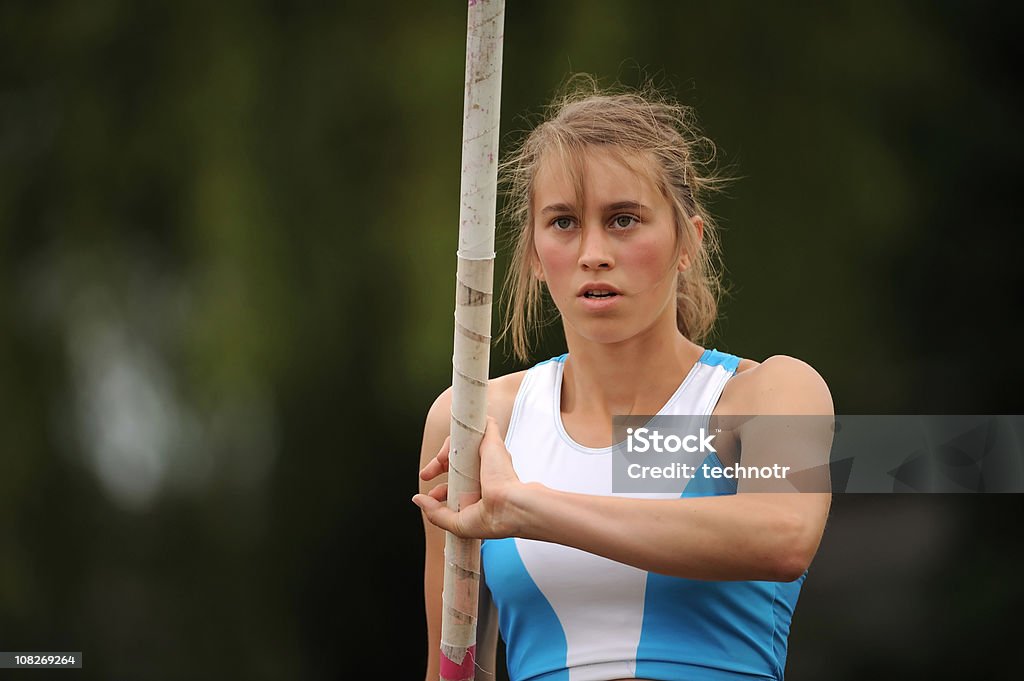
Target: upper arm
501,395
792,428
435,431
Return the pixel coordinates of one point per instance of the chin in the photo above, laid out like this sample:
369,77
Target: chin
611,330
606,331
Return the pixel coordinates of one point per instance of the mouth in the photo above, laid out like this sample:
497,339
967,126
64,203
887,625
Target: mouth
599,297
598,290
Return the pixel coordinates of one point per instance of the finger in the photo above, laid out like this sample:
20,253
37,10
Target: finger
439,464
442,454
440,492
436,512
492,436
493,430
432,470
493,443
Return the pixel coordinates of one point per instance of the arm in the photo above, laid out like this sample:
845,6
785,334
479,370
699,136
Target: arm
765,536
435,436
435,433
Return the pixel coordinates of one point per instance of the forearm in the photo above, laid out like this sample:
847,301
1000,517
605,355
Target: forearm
734,537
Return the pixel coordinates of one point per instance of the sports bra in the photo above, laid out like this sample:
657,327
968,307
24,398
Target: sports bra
569,615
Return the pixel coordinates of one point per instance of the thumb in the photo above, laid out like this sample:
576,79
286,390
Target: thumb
494,456
492,434
437,512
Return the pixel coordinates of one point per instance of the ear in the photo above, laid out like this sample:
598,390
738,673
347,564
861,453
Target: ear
535,268
684,257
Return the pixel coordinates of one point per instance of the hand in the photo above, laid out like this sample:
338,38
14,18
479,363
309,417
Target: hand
494,515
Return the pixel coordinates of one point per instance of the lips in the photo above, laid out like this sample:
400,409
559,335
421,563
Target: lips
598,291
598,297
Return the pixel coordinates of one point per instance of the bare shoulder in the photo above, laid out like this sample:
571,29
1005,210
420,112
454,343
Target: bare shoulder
779,385
501,396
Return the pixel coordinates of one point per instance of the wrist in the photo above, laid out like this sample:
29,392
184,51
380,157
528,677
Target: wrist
522,509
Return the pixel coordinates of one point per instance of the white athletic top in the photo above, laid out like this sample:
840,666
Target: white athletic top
569,615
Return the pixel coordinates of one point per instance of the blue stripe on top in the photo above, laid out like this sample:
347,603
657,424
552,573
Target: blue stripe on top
531,622
715,358
711,357
560,358
741,626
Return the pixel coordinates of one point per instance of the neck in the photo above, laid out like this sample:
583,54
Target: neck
636,376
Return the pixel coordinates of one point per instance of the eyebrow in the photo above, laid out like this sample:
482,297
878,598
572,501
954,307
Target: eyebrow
626,205
557,208
618,205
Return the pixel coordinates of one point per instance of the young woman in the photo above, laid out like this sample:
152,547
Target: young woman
587,584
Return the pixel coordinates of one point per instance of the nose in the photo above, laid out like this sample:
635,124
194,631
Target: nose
595,249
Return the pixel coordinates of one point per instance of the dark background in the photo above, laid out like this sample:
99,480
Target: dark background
227,253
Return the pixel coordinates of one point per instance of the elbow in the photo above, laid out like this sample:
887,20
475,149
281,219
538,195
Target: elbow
790,568
795,550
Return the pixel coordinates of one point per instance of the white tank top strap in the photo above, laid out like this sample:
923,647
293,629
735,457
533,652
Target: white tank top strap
539,396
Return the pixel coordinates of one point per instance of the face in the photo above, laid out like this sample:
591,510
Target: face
610,264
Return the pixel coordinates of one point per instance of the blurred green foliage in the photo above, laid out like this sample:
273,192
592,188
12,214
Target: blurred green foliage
227,236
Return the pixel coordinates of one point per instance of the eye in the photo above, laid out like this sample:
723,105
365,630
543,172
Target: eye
563,223
625,221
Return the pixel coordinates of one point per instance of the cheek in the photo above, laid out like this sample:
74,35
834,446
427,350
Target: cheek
556,259
651,260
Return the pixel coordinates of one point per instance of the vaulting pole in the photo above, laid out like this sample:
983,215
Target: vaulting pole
474,288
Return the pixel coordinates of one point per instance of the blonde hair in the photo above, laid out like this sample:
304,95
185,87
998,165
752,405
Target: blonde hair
627,123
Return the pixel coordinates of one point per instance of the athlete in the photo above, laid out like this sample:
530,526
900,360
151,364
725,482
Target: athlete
588,584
